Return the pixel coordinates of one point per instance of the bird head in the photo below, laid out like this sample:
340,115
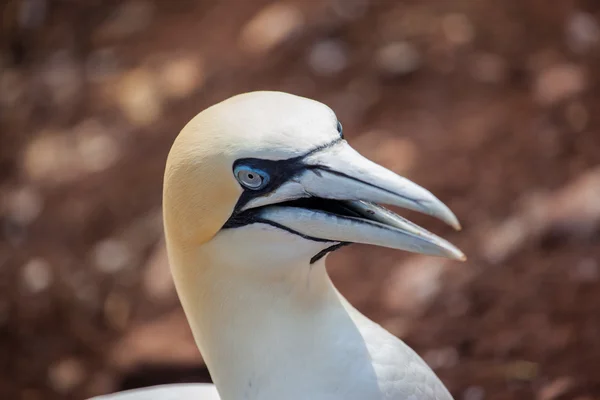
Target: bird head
272,173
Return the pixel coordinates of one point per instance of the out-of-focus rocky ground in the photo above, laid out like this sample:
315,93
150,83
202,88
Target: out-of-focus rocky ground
493,105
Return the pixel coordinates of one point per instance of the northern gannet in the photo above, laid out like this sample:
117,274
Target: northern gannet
257,190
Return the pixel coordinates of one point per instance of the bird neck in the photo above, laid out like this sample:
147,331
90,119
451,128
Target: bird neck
263,334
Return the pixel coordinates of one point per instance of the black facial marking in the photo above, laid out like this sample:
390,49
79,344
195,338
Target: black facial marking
340,129
251,217
285,228
324,252
280,172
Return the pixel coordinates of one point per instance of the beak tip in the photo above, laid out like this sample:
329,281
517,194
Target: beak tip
453,222
445,214
458,255
450,251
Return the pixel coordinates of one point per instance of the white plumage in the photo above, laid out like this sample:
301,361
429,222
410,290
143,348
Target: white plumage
181,391
257,190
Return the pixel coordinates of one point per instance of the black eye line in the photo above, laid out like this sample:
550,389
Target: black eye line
318,148
340,129
280,171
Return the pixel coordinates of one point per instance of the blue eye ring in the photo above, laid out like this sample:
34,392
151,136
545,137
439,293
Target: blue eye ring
340,129
251,178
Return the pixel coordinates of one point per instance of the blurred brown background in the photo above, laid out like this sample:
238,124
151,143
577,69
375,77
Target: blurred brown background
491,104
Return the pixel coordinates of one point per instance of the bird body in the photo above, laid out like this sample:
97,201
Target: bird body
258,189
181,391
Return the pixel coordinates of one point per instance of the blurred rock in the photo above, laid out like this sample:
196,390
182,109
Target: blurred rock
443,59
31,394
100,383
446,357
583,32
555,389
58,157
144,232
422,22
559,82
399,154
102,64
23,205
66,374
96,149
368,89
32,13
457,303
399,58
506,238
350,10
167,339
474,393
412,23
130,17
12,88
158,282
540,60
351,104
521,370
181,75
475,130
300,84
489,68
4,310
270,27
548,137
85,289
63,77
111,255
586,271
328,57
117,310
139,97
413,284
577,116
37,275
458,29
573,209
48,158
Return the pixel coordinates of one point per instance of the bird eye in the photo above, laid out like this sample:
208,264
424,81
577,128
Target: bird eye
340,129
251,178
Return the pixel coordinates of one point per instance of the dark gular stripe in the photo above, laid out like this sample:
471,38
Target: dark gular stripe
326,251
250,217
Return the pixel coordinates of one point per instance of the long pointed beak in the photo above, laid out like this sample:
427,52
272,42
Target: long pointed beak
358,178
334,198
